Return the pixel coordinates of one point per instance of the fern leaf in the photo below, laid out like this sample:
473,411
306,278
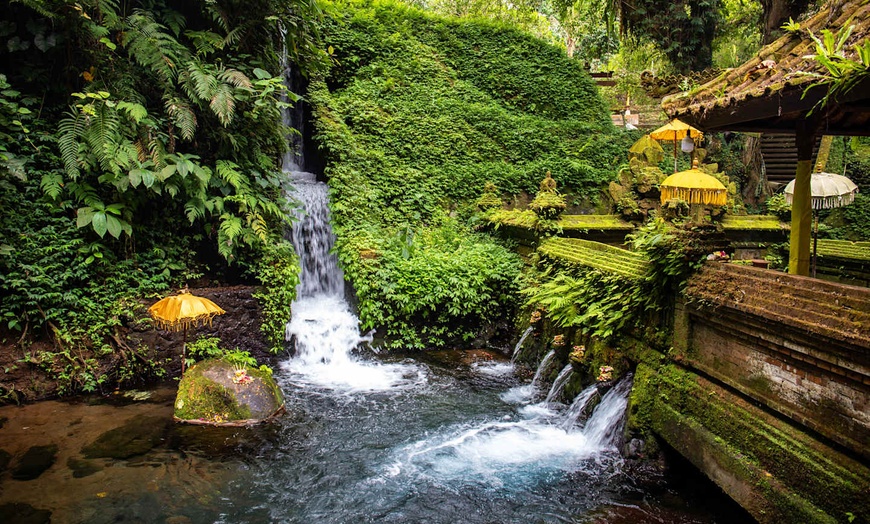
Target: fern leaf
235,77
52,185
182,116
136,111
150,46
70,130
198,82
229,173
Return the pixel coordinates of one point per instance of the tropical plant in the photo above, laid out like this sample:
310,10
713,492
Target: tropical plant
841,72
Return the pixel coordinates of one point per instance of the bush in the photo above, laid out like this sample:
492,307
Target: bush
415,114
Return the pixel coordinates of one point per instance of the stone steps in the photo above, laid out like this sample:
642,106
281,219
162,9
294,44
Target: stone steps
834,310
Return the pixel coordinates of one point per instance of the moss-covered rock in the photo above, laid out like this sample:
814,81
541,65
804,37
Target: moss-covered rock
215,392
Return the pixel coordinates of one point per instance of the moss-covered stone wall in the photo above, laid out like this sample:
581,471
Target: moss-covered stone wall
773,468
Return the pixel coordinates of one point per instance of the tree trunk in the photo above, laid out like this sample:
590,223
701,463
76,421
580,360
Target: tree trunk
775,13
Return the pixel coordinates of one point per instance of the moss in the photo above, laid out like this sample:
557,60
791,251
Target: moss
802,482
201,398
753,223
575,251
548,205
597,222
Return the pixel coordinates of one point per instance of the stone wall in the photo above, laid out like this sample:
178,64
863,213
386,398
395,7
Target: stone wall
801,346
766,391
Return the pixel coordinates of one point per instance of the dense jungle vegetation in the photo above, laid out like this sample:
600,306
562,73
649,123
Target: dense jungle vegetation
416,113
140,148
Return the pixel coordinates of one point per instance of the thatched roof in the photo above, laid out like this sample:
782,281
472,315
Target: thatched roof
767,93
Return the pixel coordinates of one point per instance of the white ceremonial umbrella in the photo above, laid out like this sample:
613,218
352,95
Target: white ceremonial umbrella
828,191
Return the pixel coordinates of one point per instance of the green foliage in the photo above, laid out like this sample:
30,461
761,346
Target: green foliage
429,286
14,121
737,36
778,206
841,72
850,222
683,30
58,283
168,109
416,113
278,272
577,287
138,155
204,348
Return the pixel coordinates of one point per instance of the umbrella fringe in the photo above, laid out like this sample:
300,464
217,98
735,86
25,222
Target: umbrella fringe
713,197
828,202
180,325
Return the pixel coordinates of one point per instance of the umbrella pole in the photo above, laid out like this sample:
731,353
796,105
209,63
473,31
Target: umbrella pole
183,348
675,151
815,239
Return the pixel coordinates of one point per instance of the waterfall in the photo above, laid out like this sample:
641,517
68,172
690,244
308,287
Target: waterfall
313,239
323,326
559,383
519,345
515,451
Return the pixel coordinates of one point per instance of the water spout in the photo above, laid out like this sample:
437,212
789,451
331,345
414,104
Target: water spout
559,383
542,368
519,345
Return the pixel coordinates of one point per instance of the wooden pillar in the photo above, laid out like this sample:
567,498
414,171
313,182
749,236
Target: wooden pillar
801,207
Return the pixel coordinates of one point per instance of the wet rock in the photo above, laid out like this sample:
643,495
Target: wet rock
83,468
5,457
35,461
20,513
215,392
137,437
634,448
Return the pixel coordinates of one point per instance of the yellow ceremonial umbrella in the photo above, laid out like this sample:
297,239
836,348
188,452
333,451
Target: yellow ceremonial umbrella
178,312
675,131
695,187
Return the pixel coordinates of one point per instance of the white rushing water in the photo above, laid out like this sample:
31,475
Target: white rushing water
559,383
323,327
505,452
519,345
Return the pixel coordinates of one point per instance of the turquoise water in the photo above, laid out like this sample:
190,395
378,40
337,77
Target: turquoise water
447,444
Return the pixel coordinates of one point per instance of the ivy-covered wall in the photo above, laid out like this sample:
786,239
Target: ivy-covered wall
415,115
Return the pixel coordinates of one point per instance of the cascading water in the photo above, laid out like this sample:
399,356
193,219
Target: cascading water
543,368
578,410
513,453
559,383
323,327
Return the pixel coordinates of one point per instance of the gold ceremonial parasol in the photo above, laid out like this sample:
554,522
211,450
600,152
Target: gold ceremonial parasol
178,312
674,131
695,187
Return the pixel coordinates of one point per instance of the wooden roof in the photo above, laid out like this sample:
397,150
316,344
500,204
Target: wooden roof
766,94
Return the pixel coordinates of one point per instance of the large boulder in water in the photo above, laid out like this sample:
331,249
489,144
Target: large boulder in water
218,393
